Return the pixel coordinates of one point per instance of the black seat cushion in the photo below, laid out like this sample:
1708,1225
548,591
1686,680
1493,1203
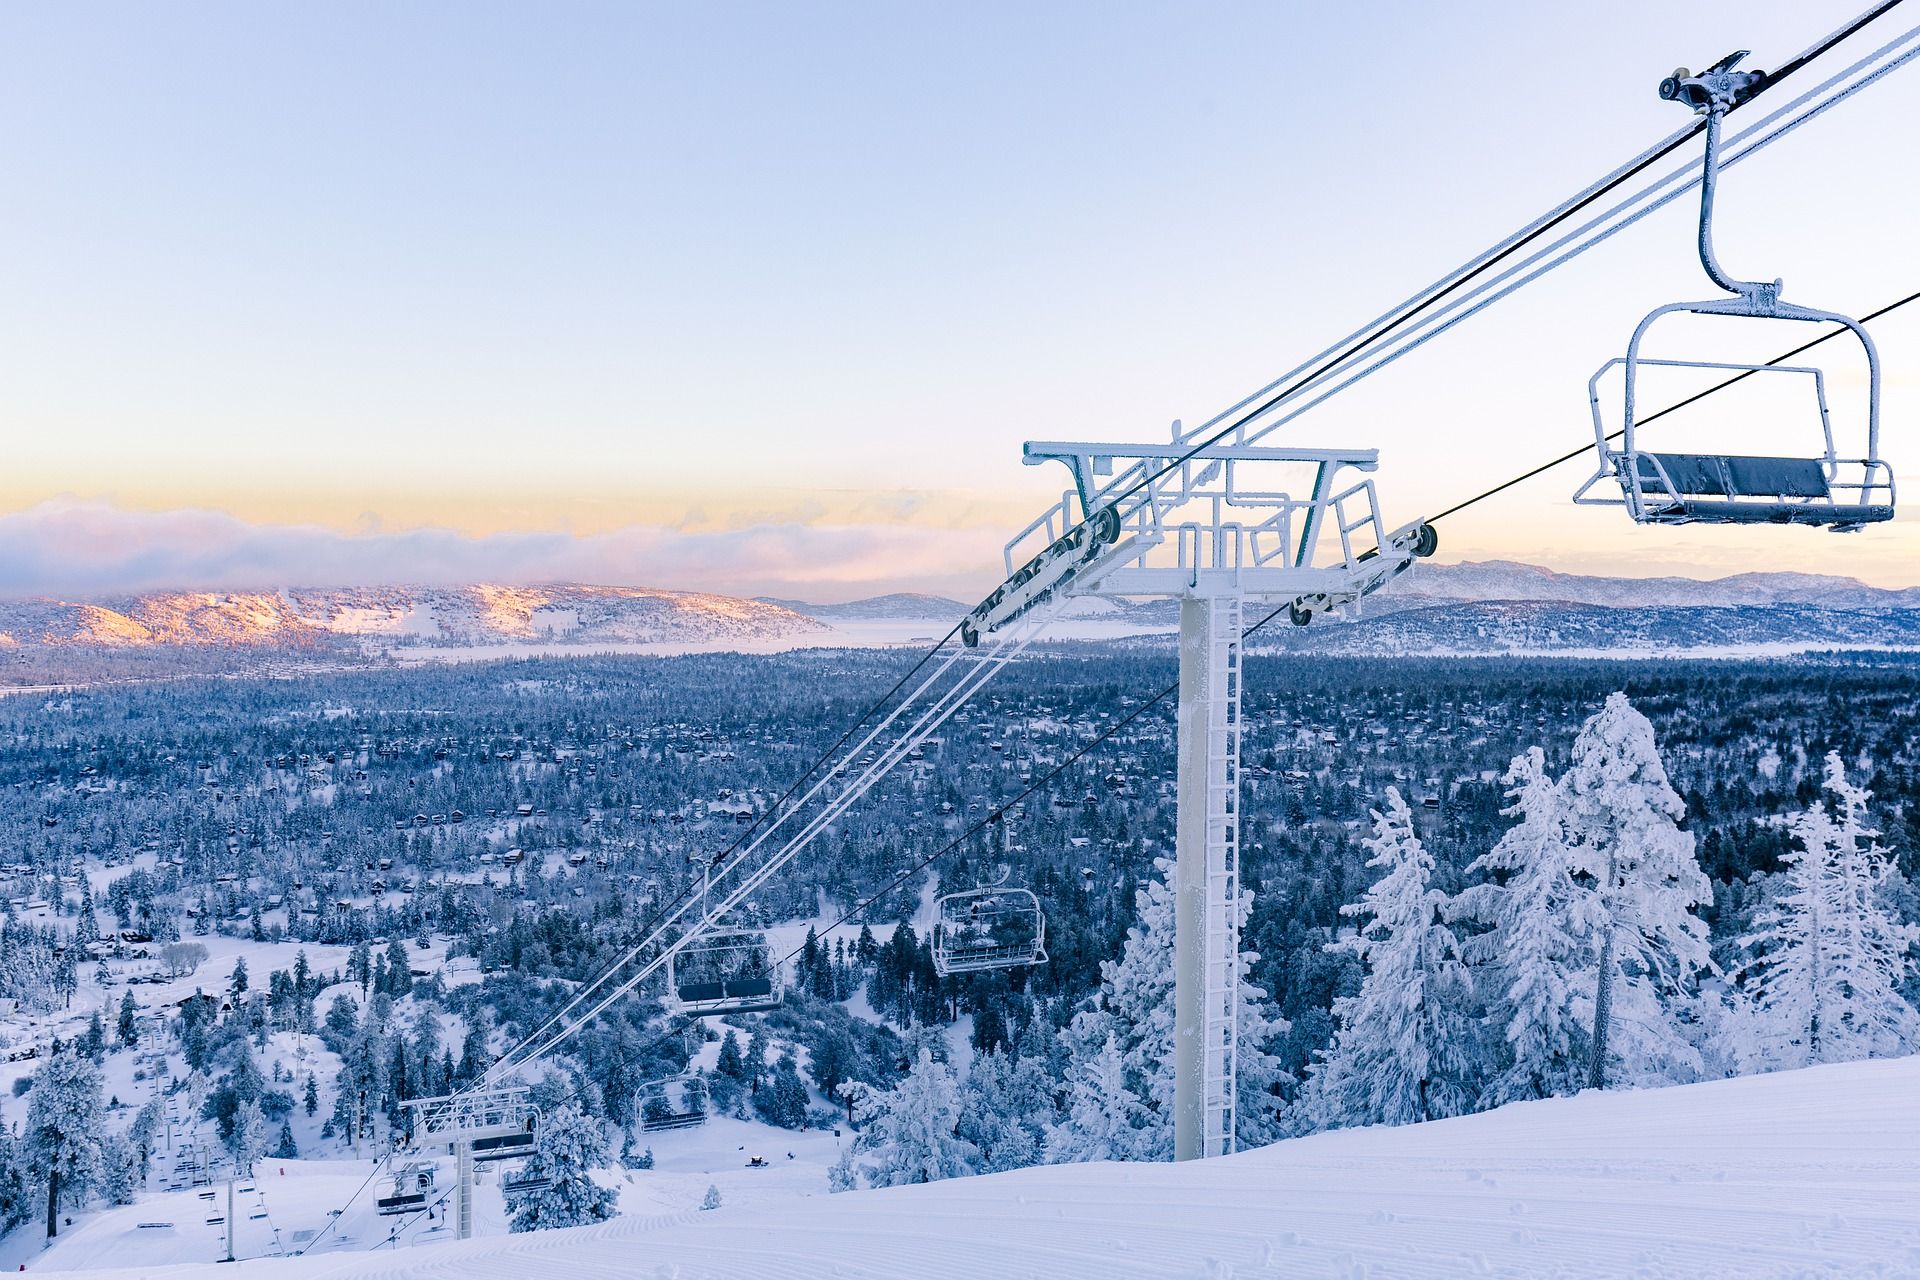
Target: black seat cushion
1732,476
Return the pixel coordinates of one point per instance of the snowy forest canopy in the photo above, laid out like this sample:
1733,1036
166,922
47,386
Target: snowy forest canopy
1468,882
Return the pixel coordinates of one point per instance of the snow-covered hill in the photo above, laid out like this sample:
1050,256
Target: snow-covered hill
476,615
1804,1173
1509,580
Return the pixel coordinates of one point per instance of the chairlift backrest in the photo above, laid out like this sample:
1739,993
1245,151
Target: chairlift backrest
720,973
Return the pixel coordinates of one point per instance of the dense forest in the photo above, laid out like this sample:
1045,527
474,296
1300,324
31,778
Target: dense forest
527,818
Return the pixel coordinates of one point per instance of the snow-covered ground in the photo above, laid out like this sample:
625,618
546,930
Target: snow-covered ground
1806,1173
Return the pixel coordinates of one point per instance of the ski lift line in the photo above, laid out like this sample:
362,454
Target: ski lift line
976,674
1009,644
1039,784
744,836
1540,226
1596,230
654,932
1358,343
1505,284
334,1220
1488,257
712,916
998,813
1784,356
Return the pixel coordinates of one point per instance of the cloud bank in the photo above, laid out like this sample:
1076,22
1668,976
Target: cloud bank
72,548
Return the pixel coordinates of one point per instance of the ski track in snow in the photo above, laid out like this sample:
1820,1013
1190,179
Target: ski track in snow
1806,1173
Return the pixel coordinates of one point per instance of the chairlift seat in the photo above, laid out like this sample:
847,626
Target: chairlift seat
700,992
1698,488
505,1146
739,987
520,1186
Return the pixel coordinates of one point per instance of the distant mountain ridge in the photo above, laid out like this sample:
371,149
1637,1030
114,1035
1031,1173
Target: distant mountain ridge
1482,580
1509,603
480,614
900,604
1511,580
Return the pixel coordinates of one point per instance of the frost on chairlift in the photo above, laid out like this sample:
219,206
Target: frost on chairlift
990,928
519,1182
411,1182
495,1124
728,972
677,1102
1819,488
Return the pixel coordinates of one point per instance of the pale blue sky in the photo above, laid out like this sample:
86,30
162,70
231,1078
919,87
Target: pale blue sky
519,270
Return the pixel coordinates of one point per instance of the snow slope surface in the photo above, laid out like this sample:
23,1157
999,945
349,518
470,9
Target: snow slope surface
1805,1173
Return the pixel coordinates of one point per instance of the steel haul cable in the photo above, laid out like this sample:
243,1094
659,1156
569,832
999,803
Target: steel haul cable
998,813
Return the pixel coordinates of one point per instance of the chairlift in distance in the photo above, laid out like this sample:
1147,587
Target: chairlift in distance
410,1186
993,927
520,1182
733,971
677,1102
1825,490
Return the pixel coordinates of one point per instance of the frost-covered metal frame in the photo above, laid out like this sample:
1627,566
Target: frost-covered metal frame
750,976
989,928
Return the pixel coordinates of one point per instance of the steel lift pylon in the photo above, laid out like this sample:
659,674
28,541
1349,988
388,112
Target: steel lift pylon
1212,527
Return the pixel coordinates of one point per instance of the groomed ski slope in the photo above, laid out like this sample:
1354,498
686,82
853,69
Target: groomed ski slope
1800,1173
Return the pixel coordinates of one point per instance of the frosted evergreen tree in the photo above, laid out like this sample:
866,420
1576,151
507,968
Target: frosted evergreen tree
63,1130
1004,1110
249,1140
1402,1051
843,1174
712,1199
1105,1119
1135,1008
1527,963
569,1146
119,1171
1831,955
1636,885
913,1131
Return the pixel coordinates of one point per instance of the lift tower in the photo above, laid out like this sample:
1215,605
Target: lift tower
1212,527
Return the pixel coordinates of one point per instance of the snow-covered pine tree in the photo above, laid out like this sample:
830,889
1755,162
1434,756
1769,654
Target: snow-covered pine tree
1527,964
1135,1008
912,1135
1830,954
1105,1119
250,1137
1004,1110
63,1130
569,1146
1402,1052
1637,882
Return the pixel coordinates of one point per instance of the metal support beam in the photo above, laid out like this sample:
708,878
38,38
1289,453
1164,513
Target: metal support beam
463,1158
1207,877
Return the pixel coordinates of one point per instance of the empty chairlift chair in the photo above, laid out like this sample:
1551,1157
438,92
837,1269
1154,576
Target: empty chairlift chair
724,973
991,928
1819,487
678,1102
410,1187
520,1182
